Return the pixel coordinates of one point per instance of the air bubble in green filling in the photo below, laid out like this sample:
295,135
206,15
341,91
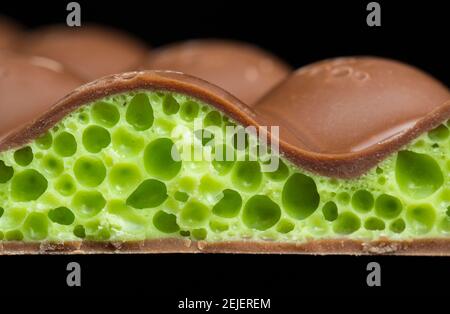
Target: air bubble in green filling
280,173
343,198
210,185
300,197
388,206
421,218
362,201
14,235
23,156
194,214
330,211
124,176
166,223
346,223
88,203
149,194
45,141
223,159
185,233
65,144
444,224
204,136
95,138
105,114
217,226
83,117
97,231
373,223
6,172
28,185
140,112
127,144
397,225
52,165
181,196
35,226
159,161
170,105
285,226
62,216
189,110
247,175
65,185
439,134
89,171
79,231
240,139
199,234
213,118
13,217
417,175
229,205
261,213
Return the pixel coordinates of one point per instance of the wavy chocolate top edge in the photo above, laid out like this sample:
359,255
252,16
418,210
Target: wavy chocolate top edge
348,165
245,70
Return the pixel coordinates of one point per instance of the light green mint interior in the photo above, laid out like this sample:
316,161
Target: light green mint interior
105,172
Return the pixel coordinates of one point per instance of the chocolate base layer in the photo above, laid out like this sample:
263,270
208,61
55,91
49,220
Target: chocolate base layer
422,247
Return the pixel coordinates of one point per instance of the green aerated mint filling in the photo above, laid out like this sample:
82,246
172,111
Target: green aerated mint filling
114,170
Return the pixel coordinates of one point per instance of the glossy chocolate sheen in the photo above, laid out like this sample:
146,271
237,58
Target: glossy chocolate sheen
88,51
10,33
29,86
246,71
345,165
349,105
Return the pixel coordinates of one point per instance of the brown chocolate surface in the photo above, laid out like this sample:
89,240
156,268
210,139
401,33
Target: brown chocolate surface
246,71
10,33
88,51
29,86
348,105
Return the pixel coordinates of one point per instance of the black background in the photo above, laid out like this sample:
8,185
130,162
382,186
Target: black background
299,32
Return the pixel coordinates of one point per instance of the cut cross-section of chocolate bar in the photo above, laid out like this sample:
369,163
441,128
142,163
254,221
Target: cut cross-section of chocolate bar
146,162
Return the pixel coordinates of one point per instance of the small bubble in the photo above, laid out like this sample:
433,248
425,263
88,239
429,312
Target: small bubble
361,76
341,71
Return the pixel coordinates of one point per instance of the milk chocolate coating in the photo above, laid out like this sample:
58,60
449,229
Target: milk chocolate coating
29,86
10,33
246,71
88,51
349,105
